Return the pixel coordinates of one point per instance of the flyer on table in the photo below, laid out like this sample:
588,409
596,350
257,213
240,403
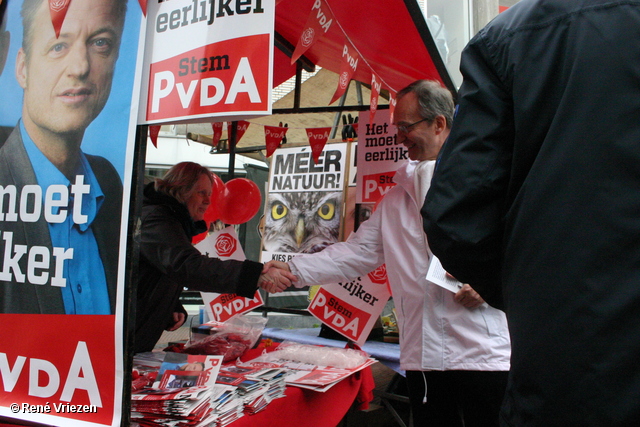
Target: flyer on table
207,59
67,128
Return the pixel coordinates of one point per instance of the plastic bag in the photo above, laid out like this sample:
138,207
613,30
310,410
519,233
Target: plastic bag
231,339
343,358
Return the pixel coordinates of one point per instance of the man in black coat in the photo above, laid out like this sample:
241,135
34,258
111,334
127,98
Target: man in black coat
536,204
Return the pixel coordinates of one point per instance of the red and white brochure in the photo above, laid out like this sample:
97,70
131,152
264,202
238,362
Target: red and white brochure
322,379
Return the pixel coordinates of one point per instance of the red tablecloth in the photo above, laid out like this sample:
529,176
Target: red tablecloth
303,407
310,408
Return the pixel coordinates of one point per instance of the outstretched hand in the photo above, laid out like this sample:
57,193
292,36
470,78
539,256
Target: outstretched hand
276,277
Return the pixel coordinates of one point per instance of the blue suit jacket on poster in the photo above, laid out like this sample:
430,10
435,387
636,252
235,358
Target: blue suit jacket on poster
16,169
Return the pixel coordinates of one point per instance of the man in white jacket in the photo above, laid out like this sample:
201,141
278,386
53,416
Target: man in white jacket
454,347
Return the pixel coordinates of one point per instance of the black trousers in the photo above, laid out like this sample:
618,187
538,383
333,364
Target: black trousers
456,398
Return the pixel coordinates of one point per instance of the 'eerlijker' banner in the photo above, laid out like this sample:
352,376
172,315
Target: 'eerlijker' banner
207,59
352,308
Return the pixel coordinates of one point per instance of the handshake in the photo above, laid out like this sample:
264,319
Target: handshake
276,277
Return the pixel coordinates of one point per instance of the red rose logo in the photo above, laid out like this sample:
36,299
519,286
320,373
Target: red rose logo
226,244
344,80
307,37
58,5
374,103
379,275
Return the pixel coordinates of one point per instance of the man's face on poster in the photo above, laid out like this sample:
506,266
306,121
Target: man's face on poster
67,80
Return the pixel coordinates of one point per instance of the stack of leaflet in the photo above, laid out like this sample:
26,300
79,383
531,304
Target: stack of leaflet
255,387
182,393
145,369
227,407
315,368
170,407
273,387
323,378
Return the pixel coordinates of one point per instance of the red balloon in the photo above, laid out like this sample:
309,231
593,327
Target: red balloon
239,202
218,185
211,214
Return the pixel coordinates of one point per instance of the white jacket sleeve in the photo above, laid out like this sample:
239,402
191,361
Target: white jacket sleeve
360,254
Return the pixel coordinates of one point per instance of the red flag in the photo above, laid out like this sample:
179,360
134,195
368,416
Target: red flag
217,133
318,23
392,105
240,130
58,10
317,139
273,136
349,65
154,130
143,6
376,86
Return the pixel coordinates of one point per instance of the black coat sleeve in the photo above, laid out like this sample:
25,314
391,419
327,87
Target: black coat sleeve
464,207
165,245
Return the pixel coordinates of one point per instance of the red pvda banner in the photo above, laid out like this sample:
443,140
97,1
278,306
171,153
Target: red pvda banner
223,77
67,374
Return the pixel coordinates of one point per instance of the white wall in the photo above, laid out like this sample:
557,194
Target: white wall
172,150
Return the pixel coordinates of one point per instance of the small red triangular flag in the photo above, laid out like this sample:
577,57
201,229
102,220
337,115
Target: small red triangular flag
350,57
143,6
154,130
58,10
273,136
317,25
317,139
376,86
240,129
217,133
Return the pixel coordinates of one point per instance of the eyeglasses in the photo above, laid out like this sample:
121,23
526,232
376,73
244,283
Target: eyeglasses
405,128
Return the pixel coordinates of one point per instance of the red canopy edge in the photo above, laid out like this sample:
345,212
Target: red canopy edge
391,36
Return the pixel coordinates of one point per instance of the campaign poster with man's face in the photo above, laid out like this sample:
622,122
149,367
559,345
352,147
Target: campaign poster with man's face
67,73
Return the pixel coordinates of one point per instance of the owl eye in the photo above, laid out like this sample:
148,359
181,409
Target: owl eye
327,211
278,211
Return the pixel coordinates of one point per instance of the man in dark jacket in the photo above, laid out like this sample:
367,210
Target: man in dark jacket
536,203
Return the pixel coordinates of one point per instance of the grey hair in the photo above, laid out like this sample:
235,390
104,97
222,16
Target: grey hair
434,99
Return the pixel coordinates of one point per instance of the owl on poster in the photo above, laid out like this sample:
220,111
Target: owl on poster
304,222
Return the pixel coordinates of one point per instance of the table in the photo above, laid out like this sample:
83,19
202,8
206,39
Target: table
386,353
